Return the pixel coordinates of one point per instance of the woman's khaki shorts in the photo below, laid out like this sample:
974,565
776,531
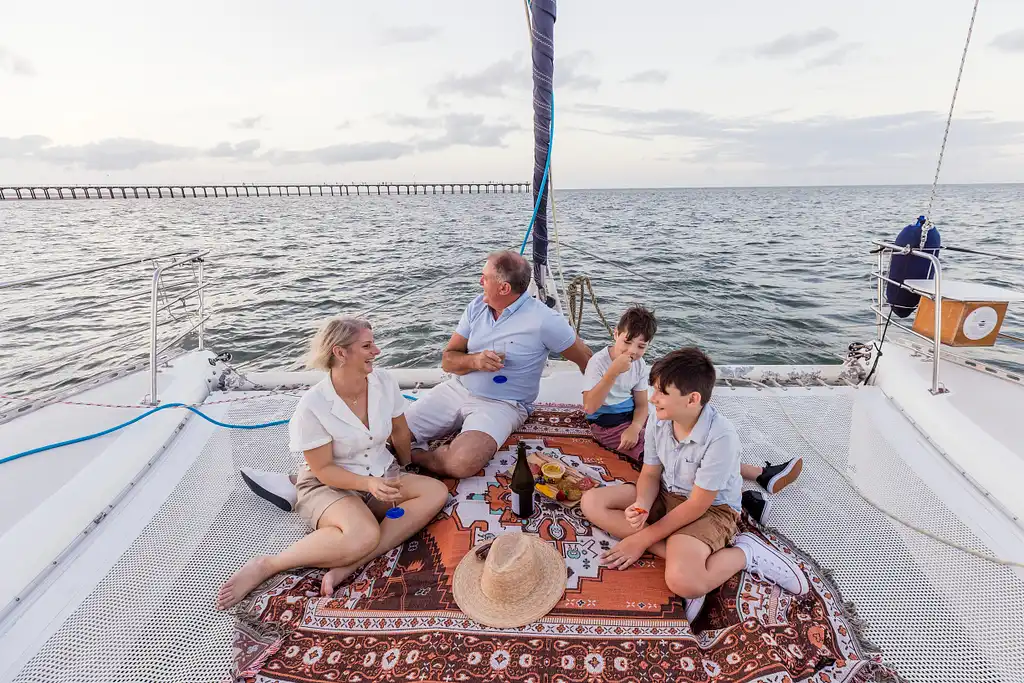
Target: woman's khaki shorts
313,497
715,528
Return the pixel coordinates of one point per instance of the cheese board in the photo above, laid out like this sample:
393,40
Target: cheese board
567,488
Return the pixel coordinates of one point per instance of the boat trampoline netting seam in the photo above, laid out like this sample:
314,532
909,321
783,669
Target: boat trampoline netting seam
935,613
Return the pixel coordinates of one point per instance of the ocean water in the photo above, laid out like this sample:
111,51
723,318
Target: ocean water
753,275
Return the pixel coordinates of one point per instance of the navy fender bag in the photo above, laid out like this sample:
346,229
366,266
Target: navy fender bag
909,267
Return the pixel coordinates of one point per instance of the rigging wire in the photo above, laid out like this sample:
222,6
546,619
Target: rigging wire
418,289
945,134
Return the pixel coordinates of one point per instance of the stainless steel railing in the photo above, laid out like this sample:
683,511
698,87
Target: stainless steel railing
882,319
199,326
35,308
937,346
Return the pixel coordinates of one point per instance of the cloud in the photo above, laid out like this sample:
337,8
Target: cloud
491,81
514,74
15,148
15,64
817,142
648,124
114,154
122,154
409,34
833,57
569,74
794,43
406,121
247,123
470,130
344,125
341,153
241,150
654,76
1011,41
819,45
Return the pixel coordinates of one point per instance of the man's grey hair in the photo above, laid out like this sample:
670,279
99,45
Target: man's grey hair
511,268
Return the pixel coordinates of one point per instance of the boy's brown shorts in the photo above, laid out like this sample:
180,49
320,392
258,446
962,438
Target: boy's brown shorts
715,528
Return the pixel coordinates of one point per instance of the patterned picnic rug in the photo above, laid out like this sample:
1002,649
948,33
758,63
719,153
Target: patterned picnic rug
397,619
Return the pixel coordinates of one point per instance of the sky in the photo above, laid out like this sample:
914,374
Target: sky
652,93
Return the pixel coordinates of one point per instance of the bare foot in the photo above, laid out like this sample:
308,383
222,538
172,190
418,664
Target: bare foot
334,578
253,573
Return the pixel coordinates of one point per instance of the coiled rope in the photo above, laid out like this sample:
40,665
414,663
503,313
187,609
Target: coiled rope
578,288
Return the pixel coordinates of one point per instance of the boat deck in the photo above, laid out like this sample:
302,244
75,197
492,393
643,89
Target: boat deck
135,601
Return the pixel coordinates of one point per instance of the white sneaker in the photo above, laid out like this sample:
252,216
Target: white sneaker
272,487
767,563
693,608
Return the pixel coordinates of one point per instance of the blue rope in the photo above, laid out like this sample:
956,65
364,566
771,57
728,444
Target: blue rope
146,414
89,437
547,161
543,180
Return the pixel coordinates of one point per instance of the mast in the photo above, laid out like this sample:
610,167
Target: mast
543,12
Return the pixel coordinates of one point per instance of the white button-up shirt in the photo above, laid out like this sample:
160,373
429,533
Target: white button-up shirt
322,417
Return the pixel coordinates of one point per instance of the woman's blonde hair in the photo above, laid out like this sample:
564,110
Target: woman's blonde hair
340,331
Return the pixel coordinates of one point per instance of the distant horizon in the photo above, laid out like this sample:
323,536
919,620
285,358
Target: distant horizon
221,184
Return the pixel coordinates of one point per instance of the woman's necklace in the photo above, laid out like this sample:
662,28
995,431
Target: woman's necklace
354,401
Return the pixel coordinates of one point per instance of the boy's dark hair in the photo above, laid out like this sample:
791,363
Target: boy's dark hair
637,321
687,370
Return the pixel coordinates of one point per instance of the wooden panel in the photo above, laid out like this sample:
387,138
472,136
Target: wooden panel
961,324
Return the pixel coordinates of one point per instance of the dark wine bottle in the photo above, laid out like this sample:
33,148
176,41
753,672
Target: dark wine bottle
522,484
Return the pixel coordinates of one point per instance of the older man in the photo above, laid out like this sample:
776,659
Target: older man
488,398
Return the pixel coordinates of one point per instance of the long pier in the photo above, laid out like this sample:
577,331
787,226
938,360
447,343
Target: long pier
176,191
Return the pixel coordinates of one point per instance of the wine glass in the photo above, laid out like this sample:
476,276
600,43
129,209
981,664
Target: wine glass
393,477
500,349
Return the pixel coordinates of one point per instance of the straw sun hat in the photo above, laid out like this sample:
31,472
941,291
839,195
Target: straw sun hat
519,582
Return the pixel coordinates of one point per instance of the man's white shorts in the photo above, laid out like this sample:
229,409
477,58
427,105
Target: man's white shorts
449,407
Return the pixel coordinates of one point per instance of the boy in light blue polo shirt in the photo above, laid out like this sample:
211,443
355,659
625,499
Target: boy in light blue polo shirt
686,502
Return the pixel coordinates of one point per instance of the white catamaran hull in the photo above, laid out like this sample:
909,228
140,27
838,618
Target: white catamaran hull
122,556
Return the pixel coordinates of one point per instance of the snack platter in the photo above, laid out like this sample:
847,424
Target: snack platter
568,488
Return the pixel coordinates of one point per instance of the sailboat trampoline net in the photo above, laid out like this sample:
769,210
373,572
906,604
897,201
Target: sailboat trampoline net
934,612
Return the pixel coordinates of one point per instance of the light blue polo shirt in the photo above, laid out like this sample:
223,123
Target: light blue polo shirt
709,457
530,331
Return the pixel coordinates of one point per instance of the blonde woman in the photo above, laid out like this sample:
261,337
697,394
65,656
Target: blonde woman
342,426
